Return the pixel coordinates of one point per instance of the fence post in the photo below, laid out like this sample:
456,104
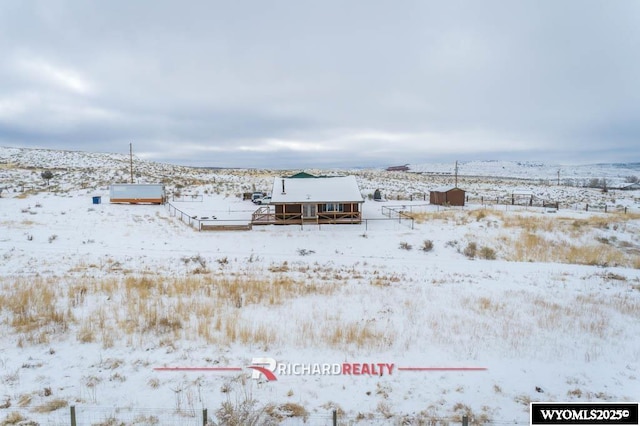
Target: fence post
587,208
73,415
605,208
465,421
204,417
335,417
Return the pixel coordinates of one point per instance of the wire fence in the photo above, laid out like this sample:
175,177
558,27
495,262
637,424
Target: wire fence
507,203
199,223
539,203
402,214
208,223
195,198
125,416
109,416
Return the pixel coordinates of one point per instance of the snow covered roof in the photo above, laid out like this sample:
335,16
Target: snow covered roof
445,189
635,185
321,190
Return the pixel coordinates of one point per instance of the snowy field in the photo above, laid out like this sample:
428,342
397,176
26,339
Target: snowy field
516,304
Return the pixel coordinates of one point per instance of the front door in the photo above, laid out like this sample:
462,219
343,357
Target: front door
309,211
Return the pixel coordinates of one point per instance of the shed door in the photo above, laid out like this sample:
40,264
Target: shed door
308,211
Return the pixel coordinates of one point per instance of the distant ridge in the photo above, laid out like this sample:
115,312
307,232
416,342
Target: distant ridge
616,172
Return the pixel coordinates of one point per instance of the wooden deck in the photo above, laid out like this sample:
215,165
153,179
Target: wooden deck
267,216
263,216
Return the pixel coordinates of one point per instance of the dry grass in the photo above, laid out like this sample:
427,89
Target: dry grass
385,280
86,334
588,314
32,305
445,216
516,316
532,247
25,400
212,308
261,334
344,335
535,238
485,305
286,410
139,308
566,225
13,418
51,405
531,222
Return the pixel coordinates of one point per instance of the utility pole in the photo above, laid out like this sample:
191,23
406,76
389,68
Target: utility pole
131,160
456,169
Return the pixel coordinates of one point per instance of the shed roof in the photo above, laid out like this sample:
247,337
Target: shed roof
446,189
341,189
635,185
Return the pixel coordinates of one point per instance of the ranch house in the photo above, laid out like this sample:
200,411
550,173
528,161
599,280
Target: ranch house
323,200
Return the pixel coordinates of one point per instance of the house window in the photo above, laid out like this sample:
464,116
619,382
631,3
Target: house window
333,207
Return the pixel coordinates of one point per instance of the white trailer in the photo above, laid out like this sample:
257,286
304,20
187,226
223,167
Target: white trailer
136,193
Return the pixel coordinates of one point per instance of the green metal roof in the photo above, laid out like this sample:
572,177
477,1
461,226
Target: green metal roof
302,175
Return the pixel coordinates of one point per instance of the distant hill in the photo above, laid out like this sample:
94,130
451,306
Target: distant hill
116,167
58,159
616,173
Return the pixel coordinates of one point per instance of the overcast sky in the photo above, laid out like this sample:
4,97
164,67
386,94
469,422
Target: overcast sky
294,84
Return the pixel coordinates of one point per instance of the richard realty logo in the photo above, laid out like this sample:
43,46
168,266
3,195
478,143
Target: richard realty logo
266,368
270,369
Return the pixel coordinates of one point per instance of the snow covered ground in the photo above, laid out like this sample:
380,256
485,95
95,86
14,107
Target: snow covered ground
95,299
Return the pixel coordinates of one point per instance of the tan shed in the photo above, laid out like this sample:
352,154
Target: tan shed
447,196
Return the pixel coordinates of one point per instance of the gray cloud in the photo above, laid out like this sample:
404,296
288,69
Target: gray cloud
293,84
